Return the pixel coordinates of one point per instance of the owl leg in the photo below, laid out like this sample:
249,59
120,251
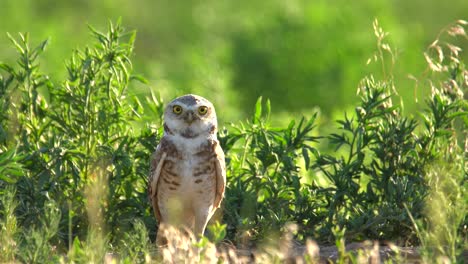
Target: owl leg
161,239
201,220
187,224
182,225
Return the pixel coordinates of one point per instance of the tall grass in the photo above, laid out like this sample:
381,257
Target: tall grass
9,231
74,159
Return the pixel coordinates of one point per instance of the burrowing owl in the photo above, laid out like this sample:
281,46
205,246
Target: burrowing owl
187,171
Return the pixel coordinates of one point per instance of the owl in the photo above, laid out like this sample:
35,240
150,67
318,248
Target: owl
187,171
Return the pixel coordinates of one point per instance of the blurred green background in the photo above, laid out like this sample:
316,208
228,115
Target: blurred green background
301,54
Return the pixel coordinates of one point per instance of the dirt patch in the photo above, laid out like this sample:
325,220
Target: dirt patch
366,252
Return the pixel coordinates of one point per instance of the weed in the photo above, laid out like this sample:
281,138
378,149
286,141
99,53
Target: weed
9,227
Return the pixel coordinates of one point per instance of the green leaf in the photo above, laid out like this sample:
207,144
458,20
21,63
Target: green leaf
258,111
457,114
268,110
443,132
305,154
77,250
291,124
139,78
131,40
16,44
7,68
6,179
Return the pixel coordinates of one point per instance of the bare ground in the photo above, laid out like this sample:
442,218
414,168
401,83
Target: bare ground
366,252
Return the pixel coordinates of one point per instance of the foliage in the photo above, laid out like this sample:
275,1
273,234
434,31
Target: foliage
380,172
81,134
264,189
9,231
75,156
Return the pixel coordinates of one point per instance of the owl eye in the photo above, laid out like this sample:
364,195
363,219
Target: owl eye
202,110
177,109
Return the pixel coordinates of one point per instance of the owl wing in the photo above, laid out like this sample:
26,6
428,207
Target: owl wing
157,161
220,175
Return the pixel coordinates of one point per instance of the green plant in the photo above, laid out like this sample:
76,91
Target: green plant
380,170
218,232
442,230
136,246
264,186
67,135
387,156
39,240
9,228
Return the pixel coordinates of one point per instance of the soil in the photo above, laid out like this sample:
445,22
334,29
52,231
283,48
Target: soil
366,253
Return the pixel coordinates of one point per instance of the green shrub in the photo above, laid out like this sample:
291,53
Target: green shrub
67,135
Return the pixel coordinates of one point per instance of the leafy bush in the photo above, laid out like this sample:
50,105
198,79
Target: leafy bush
264,187
69,136
74,160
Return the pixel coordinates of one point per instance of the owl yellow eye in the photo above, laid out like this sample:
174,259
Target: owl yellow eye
177,109
202,110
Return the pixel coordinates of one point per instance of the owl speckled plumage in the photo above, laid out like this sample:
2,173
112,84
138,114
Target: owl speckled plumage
187,171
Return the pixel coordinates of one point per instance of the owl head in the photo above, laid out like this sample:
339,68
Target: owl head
190,116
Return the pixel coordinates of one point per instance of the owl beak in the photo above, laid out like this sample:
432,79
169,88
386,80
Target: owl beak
189,117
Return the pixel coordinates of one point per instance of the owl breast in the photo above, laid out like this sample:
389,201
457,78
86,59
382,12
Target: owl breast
188,176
